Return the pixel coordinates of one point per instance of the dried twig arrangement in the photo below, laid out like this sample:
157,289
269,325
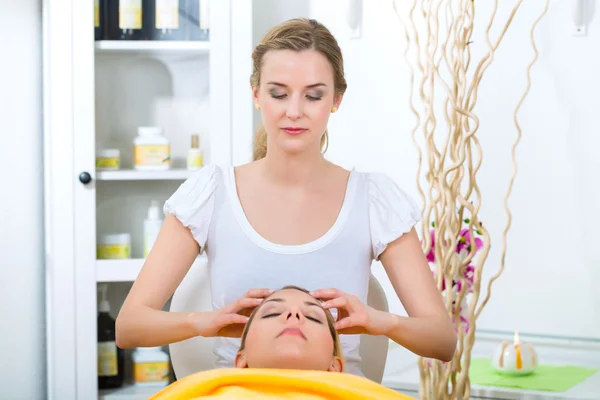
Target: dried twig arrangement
453,156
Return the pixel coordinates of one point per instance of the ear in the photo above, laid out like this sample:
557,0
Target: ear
337,365
255,95
337,100
240,360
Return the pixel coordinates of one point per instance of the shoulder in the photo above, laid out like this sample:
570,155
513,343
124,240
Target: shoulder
392,211
203,181
193,202
382,188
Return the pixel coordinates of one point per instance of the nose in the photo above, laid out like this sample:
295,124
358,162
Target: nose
294,108
294,313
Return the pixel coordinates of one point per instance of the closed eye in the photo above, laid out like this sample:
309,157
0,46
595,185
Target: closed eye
283,96
271,315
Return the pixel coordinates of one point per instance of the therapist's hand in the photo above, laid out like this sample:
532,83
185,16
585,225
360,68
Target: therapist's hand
230,320
353,316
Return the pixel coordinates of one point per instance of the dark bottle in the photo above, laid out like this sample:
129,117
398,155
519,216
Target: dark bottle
111,359
126,20
99,19
164,19
197,19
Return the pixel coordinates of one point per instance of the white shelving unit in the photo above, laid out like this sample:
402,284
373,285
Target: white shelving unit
96,94
123,270
128,392
150,46
133,175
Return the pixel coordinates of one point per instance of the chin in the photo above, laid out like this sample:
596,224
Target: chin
296,145
295,359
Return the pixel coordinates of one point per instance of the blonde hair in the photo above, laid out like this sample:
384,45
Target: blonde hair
297,34
337,348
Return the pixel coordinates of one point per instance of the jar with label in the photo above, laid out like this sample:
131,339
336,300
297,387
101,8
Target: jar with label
108,159
164,19
150,367
114,246
126,20
151,150
197,16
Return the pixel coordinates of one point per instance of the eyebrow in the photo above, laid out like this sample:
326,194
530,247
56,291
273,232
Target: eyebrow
308,303
314,85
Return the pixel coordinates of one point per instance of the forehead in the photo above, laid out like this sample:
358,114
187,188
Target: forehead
292,296
298,68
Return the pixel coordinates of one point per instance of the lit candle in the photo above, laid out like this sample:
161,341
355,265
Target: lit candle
517,358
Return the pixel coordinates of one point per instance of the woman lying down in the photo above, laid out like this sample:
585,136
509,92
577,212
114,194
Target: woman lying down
289,349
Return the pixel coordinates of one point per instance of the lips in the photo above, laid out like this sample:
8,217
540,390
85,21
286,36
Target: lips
293,131
293,332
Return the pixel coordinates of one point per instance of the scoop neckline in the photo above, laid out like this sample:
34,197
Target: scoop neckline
316,244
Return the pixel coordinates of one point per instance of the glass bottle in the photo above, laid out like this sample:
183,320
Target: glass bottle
164,19
197,16
99,19
126,20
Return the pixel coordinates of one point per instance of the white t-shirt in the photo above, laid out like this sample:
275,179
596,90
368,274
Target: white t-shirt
374,213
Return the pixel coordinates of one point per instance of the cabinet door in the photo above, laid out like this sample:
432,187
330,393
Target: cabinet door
84,207
69,199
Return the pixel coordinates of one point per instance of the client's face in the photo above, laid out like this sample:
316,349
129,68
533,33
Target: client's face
289,330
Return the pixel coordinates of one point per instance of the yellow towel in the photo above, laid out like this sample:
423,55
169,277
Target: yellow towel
259,383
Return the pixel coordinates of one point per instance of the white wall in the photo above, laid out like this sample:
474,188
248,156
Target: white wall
552,260
22,336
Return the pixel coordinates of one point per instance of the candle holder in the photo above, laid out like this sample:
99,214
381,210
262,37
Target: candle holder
516,358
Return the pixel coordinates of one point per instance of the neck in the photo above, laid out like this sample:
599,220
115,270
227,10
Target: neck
296,170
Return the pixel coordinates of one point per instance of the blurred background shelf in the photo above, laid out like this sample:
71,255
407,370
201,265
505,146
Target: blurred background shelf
128,392
125,270
150,46
134,175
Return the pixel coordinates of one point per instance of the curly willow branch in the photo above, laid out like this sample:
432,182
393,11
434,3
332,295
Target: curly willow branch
453,195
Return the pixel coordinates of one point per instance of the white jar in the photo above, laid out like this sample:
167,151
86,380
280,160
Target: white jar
151,150
114,246
108,159
150,367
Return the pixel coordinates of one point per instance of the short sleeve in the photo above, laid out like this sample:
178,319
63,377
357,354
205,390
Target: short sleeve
392,212
193,202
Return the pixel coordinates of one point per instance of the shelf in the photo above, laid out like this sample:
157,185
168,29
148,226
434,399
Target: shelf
125,270
128,392
133,175
150,46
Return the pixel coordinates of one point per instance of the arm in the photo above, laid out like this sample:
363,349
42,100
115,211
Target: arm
141,321
428,330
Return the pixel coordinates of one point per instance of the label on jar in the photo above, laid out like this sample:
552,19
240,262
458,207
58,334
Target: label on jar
96,13
157,371
112,251
204,14
167,14
107,163
130,14
195,160
107,359
152,155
